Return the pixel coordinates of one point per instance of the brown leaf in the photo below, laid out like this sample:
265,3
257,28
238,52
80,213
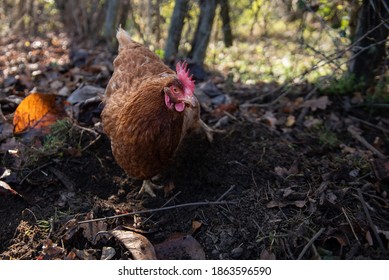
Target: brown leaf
51,251
319,103
6,189
196,225
270,119
290,121
274,203
180,246
91,229
299,203
266,255
37,111
138,245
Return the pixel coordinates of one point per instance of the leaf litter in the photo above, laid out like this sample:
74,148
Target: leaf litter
295,163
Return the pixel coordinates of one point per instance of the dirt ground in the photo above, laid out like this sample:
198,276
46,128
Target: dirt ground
282,190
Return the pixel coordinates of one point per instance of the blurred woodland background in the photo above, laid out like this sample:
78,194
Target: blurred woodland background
340,44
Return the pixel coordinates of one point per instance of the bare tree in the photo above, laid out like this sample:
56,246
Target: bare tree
110,20
370,40
203,31
225,15
177,23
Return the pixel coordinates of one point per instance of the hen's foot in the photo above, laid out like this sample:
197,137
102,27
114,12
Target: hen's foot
149,188
208,131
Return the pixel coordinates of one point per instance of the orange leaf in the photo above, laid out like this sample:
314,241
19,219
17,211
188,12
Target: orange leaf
37,111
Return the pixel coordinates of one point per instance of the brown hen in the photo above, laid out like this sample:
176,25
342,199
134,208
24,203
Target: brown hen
148,110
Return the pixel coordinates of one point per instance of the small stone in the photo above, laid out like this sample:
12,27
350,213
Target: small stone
121,193
113,199
237,252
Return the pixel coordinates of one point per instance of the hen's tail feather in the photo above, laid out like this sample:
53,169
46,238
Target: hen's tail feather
123,38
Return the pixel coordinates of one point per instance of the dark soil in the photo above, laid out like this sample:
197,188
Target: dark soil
290,191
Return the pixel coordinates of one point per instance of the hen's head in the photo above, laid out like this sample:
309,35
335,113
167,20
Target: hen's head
180,93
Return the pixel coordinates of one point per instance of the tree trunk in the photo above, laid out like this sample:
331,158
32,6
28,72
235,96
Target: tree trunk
370,36
176,25
157,25
110,20
225,15
123,12
203,31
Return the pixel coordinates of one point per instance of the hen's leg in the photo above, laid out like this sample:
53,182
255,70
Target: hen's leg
208,131
149,188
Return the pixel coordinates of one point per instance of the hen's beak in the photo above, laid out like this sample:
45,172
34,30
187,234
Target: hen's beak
190,100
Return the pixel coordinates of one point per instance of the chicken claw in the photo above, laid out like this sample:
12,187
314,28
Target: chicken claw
149,188
208,131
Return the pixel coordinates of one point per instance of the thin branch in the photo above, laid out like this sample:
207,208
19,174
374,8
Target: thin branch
351,225
205,203
32,171
224,194
369,124
371,224
309,244
364,142
166,203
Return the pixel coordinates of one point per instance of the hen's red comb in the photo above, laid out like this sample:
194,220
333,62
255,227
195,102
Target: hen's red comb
184,76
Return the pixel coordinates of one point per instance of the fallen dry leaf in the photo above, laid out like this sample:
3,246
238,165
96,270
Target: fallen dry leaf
180,246
290,121
319,103
37,111
266,255
138,245
107,253
196,225
270,119
50,251
91,229
297,203
6,189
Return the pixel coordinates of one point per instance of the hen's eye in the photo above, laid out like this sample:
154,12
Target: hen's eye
175,90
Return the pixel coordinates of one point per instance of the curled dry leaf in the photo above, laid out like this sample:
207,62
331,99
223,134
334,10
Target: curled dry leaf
6,189
91,230
138,245
37,112
180,246
107,253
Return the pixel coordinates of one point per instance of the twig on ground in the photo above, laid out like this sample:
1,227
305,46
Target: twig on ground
166,203
351,225
91,143
304,111
364,142
204,203
248,103
371,224
309,244
86,129
32,171
369,124
224,194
